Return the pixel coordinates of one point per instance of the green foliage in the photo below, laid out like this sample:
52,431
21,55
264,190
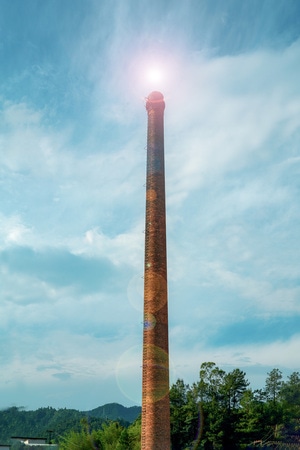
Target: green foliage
218,412
251,422
18,422
273,385
111,436
229,415
290,394
81,440
134,433
124,442
185,414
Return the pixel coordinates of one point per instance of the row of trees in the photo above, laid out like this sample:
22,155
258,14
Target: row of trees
16,421
110,436
220,411
49,422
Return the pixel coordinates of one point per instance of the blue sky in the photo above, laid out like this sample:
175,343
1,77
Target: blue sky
72,170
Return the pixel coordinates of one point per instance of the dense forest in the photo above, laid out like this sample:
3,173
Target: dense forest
52,423
221,411
218,412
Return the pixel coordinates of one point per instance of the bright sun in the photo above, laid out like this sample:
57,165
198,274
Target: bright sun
154,75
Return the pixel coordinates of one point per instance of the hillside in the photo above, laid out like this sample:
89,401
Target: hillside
18,422
114,411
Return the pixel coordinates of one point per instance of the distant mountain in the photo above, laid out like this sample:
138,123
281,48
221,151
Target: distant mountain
18,422
114,411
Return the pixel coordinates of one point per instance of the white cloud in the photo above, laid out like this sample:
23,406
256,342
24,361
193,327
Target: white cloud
269,299
232,132
83,359
124,248
27,144
258,358
236,112
13,231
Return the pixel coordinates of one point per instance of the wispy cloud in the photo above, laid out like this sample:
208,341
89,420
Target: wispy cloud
72,166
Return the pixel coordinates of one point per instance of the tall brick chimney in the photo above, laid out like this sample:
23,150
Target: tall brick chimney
155,385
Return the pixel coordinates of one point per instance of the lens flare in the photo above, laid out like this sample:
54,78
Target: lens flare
156,358
155,292
154,75
128,374
149,322
135,292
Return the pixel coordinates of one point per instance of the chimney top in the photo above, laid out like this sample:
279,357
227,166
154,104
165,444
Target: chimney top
155,101
155,96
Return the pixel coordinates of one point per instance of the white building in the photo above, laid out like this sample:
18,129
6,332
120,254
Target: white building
32,442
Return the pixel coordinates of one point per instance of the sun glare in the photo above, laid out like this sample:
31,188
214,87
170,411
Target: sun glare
151,73
154,75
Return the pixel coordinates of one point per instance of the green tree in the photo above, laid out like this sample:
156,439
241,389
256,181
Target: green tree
106,438
232,390
124,441
184,411
211,396
252,424
274,408
81,440
233,387
290,392
274,384
290,396
134,432
211,379
220,395
110,435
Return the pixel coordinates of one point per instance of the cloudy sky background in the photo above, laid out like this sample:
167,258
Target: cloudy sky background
72,173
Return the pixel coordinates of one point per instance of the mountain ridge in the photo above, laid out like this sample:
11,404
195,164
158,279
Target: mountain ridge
15,421
115,411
